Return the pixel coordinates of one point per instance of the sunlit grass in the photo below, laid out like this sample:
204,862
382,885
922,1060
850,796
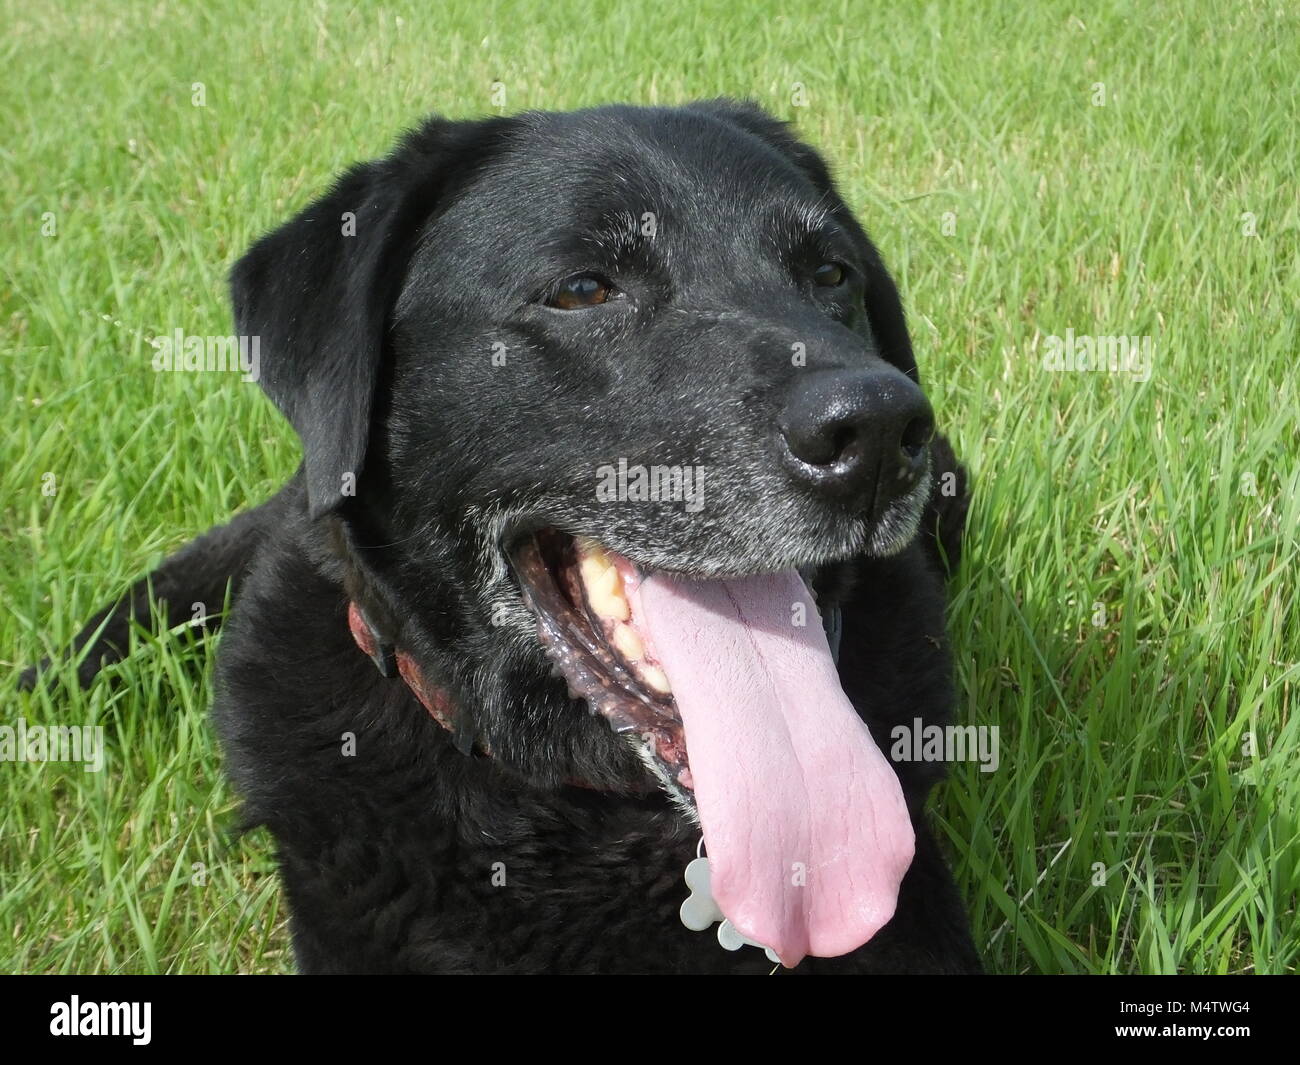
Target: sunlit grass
1127,613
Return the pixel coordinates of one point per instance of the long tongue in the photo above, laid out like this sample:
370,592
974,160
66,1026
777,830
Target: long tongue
806,827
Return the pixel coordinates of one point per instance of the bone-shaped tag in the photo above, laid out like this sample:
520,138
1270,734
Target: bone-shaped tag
700,910
731,939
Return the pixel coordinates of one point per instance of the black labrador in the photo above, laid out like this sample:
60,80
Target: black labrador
621,512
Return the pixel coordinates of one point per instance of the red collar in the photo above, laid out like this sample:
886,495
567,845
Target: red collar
388,659
391,661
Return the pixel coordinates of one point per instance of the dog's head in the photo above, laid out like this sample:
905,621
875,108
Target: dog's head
587,394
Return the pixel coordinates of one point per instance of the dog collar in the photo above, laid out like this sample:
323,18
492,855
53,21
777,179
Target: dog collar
391,662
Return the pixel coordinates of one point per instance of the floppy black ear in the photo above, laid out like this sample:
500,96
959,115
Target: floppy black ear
318,292
884,306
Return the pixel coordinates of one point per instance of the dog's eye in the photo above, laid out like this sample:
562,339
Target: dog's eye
581,290
828,275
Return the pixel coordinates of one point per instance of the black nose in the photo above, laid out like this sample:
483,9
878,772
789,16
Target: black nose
861,434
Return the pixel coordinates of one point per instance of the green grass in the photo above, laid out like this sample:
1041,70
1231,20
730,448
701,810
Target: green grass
1011,209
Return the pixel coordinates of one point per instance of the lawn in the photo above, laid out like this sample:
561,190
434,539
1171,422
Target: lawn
1127,612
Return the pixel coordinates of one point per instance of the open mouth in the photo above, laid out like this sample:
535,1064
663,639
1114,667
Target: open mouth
807,830
582,595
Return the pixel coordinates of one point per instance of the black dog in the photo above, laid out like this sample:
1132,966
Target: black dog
601,413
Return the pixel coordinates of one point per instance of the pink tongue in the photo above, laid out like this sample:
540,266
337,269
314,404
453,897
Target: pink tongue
807,831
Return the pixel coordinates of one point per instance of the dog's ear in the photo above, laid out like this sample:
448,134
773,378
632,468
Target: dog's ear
318,292
884,306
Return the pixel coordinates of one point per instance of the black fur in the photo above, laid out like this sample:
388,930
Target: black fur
423,457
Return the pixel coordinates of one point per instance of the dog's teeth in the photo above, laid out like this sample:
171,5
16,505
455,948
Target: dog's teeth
592,569
656,678
605,590
627,643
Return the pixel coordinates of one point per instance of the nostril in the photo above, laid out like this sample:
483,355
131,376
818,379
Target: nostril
827,444
842,441
916,437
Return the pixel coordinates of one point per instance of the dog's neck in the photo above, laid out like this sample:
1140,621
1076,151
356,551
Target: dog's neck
393,662
371,623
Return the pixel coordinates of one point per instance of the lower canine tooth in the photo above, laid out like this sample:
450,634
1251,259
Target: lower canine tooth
592,570
657,679
605,593
627,643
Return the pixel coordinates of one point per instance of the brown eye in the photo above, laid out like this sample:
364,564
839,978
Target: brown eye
828,275
581,290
